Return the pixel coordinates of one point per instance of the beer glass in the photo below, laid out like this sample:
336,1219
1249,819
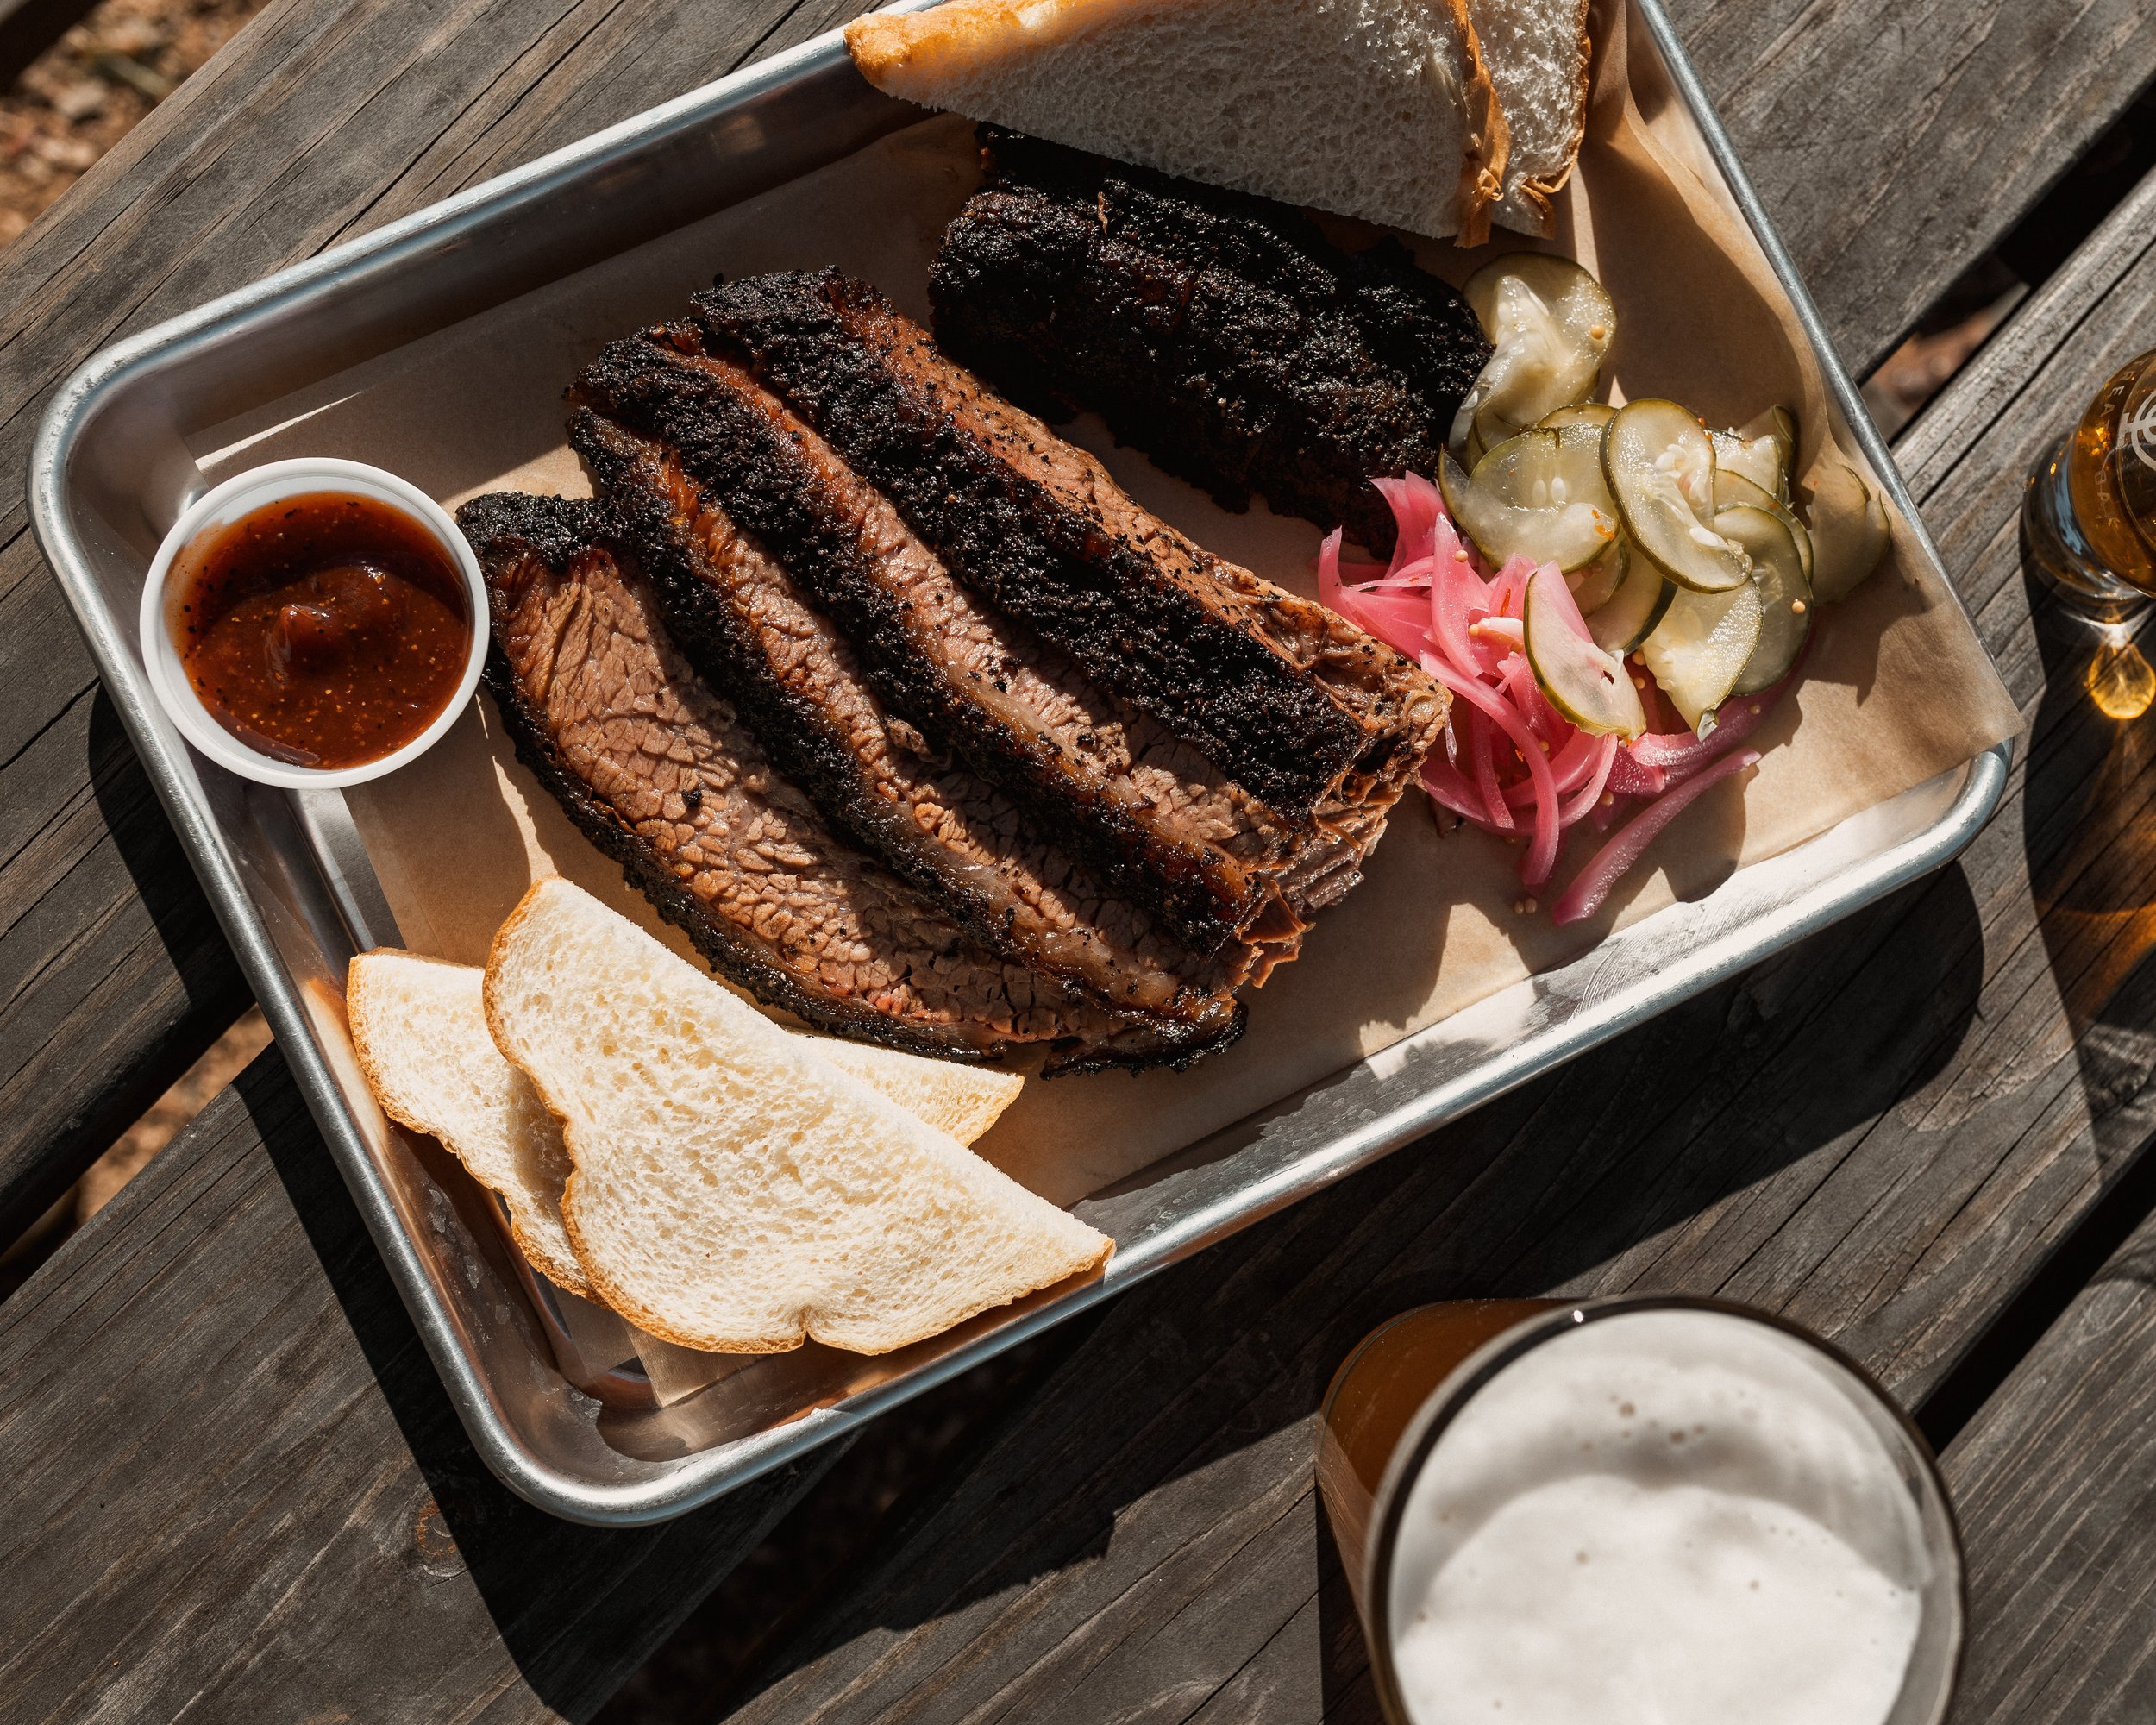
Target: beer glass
1389,1448
2089,514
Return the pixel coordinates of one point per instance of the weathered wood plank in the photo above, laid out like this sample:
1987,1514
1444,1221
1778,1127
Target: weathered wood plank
2056,1483
1964,114
326,117
1763,1168
236,1491
1883,1134
317,120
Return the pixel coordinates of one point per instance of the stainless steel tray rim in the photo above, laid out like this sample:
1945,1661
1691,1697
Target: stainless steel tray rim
656,1490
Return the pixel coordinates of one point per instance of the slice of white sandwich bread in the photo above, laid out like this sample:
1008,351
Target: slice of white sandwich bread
1380,108
962,1100
1538,54
419,1027
732,1189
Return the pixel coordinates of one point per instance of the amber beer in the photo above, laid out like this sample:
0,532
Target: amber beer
1644,1511
2088,521
1377,1392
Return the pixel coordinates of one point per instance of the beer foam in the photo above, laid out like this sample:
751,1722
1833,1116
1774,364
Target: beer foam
1659,1518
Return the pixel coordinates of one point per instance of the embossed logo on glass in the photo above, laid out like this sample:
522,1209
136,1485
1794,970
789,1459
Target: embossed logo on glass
2138,433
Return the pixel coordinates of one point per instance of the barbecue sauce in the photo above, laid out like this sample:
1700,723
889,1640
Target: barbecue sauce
326,630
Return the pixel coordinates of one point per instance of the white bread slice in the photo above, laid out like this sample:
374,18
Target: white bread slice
419,1026
732,1190
962,1100
1538,54
1379,108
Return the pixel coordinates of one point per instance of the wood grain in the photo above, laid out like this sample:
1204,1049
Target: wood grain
1958,116
236,1491
1882,1134
324,118
316,122
2056,1485
222,1468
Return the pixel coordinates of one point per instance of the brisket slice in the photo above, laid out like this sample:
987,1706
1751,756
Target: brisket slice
1154,817
743,623
1281,696
659,773
1221,333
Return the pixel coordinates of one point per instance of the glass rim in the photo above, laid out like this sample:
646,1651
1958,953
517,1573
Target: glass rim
1473,1374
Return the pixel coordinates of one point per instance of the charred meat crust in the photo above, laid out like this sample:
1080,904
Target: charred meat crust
1221,333
909,423
735,440
744,626
513,537
964,672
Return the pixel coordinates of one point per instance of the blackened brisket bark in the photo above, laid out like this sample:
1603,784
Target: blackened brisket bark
743,622
1221,333
1280,695
660,774
1163,827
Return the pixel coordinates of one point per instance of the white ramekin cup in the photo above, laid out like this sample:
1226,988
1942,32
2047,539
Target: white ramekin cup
240,495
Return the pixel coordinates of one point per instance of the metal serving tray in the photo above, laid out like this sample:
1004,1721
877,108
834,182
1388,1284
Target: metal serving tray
296,897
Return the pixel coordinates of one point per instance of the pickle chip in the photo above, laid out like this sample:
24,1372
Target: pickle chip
1702,646
1540,495
1660,465
1589,687
1550,323
1785,597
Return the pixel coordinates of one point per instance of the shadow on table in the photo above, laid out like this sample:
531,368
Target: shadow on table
76,932
576,1608
1186,1413
2088,813
1195,1390
2090,835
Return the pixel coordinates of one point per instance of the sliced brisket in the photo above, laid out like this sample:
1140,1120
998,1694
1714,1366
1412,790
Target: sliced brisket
744,623
1154,816
1284,698
661,775
1221,333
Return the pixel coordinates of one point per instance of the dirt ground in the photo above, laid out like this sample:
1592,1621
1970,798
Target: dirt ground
83,95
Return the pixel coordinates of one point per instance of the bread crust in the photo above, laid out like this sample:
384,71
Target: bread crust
906,55
568,1275
1488,134
1538,192
619,1299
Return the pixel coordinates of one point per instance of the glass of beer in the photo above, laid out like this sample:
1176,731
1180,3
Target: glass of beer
2088,516
1637,1512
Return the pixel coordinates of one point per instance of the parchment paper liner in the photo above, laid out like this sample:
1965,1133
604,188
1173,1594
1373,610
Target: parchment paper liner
1897,688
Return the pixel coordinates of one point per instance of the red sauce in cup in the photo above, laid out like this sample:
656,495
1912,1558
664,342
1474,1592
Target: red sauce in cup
326,630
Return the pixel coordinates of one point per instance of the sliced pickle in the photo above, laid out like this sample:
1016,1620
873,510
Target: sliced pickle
1661,470
1702,646
1595,413
1779,423
1540,495
1590,688
1631,614
1593,587
1756,459
1551,323
1731,489
1785,596
1850,529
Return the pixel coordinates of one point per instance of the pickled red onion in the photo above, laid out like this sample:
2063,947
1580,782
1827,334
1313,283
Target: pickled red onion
1614,860
1542,842
1507,748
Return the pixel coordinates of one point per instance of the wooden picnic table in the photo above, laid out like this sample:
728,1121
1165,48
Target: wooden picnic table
234,1487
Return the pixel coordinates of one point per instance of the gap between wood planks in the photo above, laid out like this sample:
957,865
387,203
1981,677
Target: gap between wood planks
2116,1214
